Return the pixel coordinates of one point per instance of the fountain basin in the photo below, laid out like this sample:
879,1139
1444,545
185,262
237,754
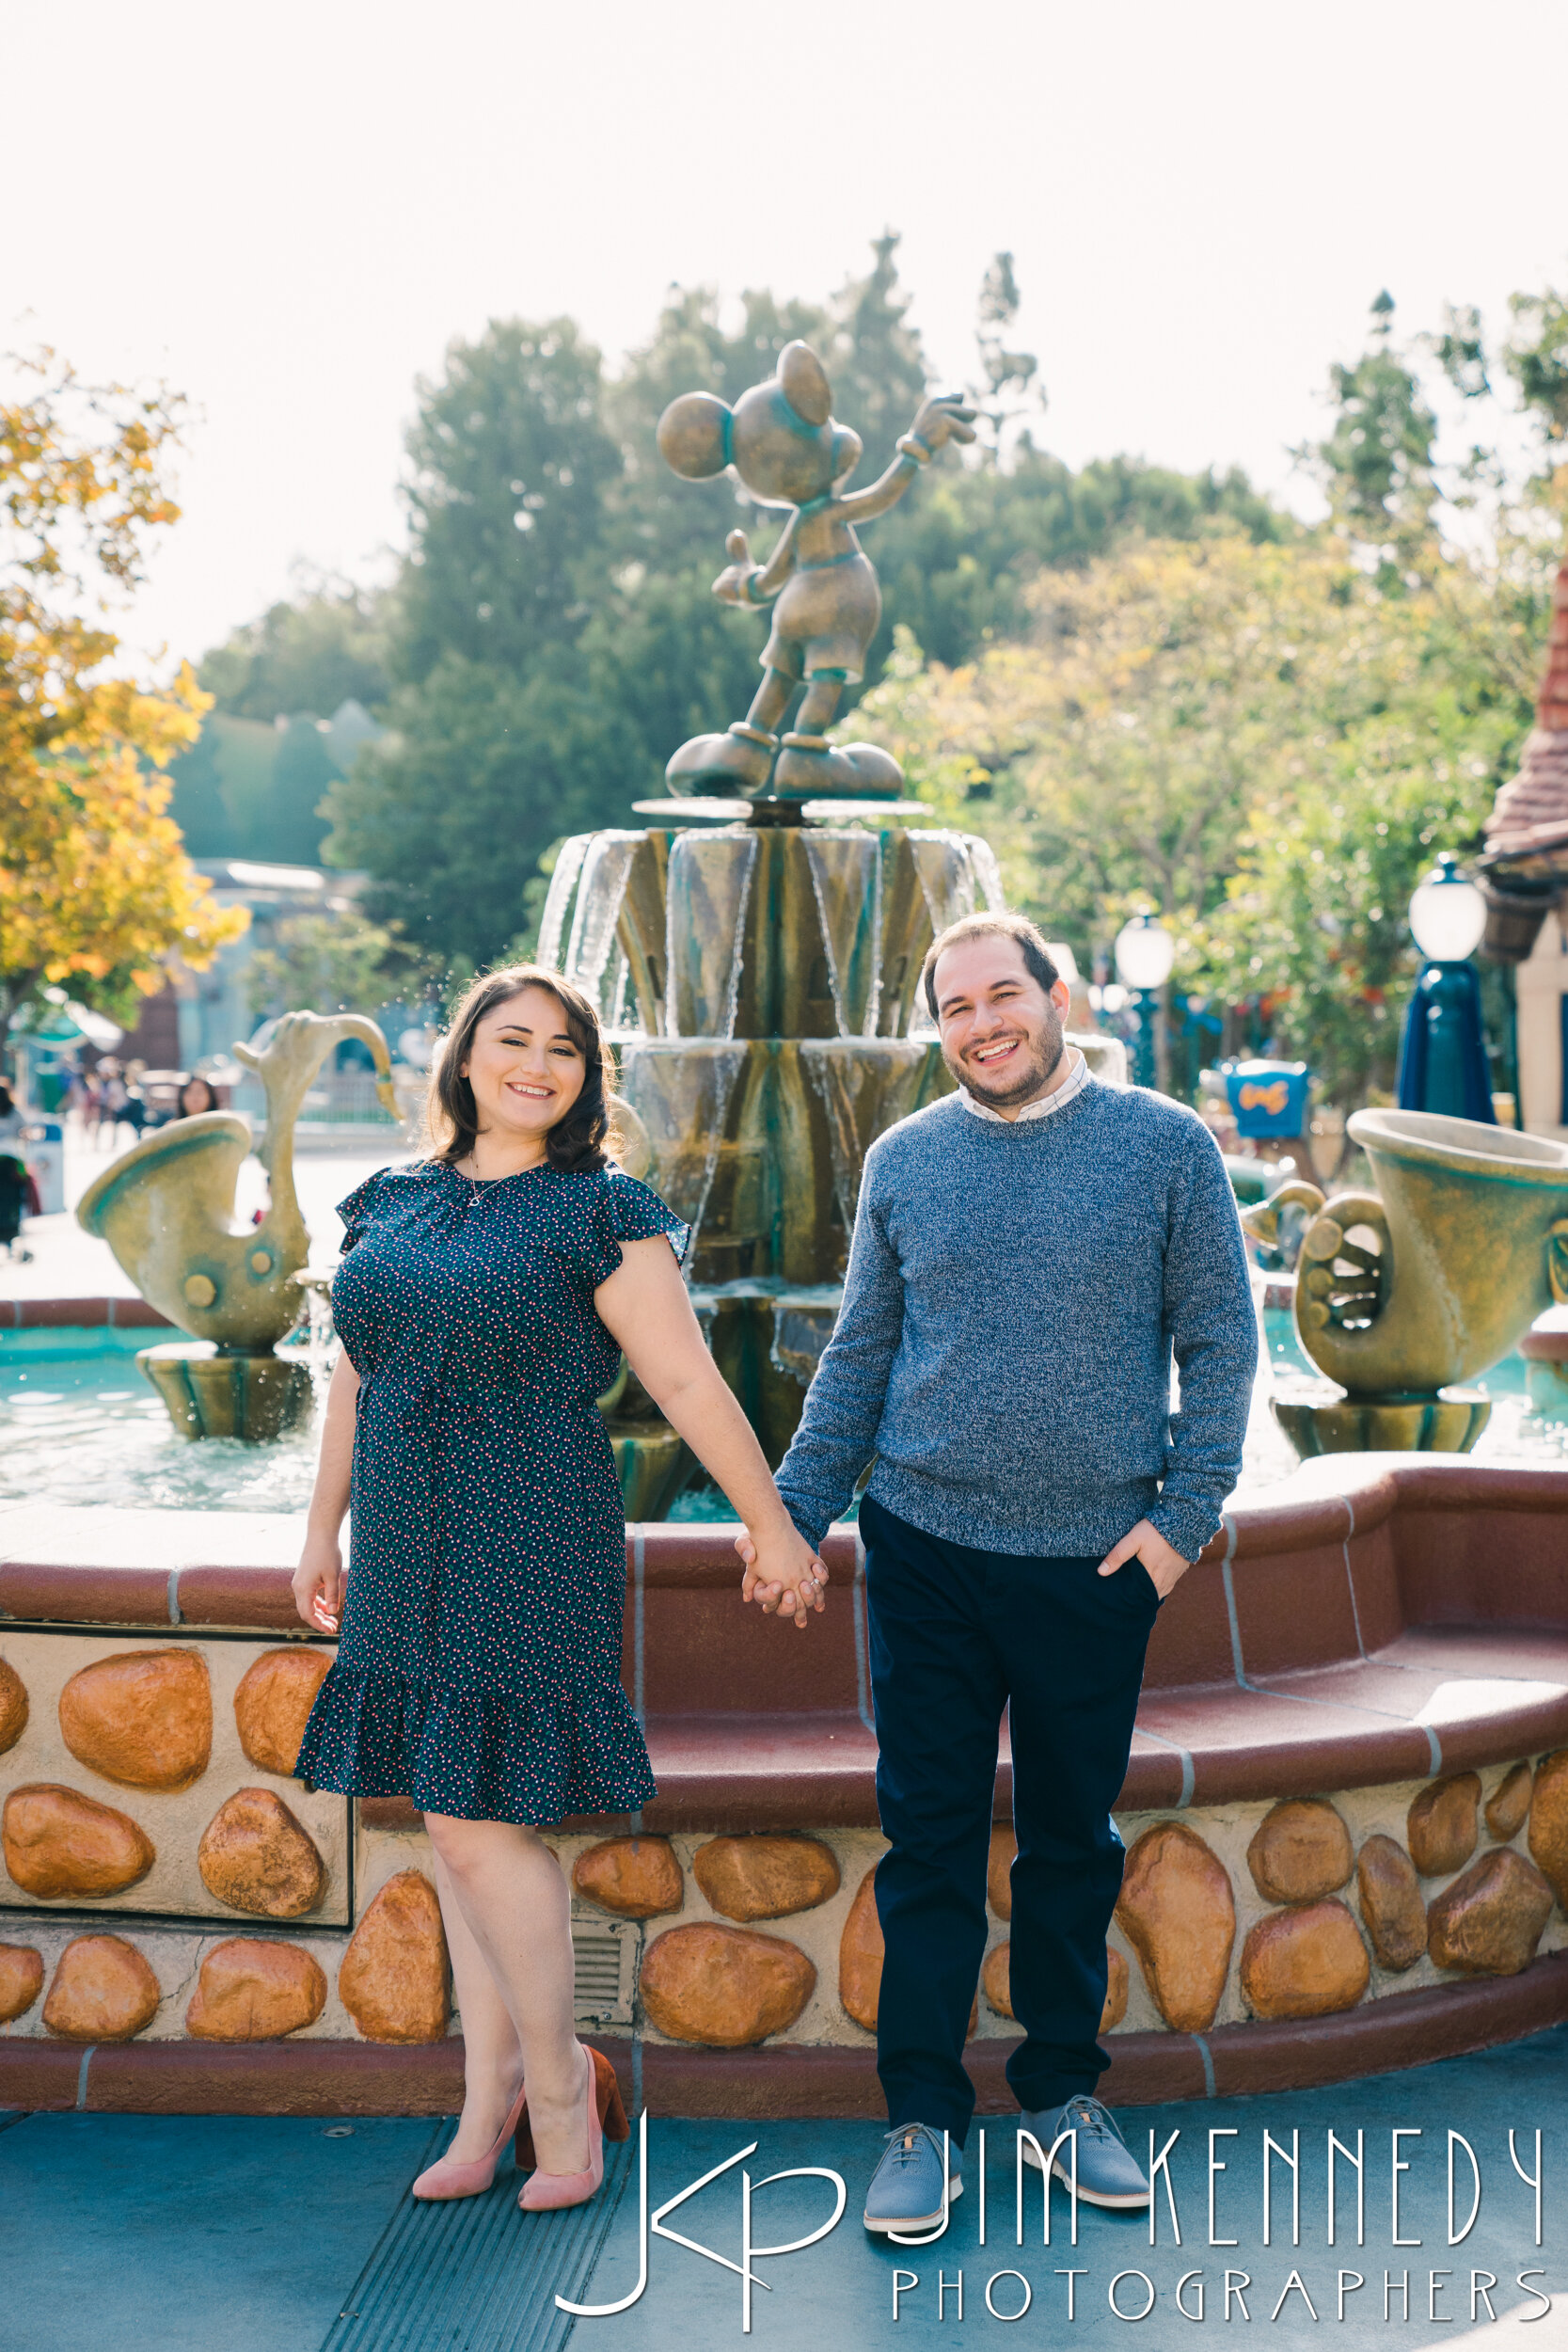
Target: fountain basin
1350,1640
211,1393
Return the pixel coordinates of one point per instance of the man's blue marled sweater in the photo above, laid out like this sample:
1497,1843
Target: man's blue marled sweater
1014,1295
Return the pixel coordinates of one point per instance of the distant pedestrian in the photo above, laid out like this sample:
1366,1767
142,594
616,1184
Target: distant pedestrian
18,1194
113,1101
195,1097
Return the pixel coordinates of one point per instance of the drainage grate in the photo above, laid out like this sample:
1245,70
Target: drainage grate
604,1955
476,2275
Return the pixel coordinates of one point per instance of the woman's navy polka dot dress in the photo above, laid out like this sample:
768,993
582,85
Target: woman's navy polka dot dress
479,1670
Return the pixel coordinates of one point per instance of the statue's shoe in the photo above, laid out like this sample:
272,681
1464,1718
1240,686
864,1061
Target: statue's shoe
860,772
712,763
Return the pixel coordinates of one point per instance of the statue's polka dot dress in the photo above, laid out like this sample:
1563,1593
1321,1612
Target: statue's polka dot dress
479,1670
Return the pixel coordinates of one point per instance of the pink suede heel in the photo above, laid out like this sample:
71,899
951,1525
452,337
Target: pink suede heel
449,2177
547,2192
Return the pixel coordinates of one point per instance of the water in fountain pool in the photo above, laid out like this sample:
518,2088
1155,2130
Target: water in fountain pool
85,1428
89,1429
1515,1435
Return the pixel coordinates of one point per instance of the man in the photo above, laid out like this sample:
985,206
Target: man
1027,1252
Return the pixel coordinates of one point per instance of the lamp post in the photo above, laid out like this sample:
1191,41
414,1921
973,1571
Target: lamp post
1443,1064
1145,953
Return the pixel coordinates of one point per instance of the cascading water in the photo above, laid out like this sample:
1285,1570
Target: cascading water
847,882
987,874
558,898
708,895
862,1088
605,868
947,870
683,1099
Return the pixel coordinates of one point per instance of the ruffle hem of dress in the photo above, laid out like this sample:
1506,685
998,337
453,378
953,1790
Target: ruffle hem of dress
478,1755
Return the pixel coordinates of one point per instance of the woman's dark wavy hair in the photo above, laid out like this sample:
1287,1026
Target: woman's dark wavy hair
576,1144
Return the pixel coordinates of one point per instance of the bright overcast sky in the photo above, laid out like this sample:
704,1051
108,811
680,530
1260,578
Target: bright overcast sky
287,210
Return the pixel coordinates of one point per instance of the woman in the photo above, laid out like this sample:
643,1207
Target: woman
195,1097
484,1301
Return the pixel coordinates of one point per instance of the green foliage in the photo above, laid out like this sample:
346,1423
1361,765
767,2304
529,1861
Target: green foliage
222,793
326,646
1536,357
1316,920
329,963
511,462
1008,375
449,814
1256,739
1376,465
251,790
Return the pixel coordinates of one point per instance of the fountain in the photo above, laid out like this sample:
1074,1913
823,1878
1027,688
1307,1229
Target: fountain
166,1210
1404,1292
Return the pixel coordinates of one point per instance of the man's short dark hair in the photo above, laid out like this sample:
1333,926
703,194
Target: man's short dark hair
1029,937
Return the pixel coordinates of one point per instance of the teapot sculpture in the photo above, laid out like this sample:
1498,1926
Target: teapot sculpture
1403,1292
166,1210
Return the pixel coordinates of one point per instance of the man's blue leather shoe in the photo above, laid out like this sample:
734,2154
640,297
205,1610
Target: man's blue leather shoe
1108,2172
905,2187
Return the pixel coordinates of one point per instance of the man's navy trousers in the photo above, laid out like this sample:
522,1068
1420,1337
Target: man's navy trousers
957,1636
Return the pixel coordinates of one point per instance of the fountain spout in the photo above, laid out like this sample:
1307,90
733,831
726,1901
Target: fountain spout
166,1210
288,1066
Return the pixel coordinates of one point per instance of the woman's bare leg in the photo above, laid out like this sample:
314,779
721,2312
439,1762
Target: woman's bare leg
507,1888
492,2056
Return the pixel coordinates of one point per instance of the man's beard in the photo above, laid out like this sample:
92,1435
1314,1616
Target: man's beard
1043,1063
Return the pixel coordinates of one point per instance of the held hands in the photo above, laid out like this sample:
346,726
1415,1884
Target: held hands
942,420
731,586
1165,1568
318,1583
782,1573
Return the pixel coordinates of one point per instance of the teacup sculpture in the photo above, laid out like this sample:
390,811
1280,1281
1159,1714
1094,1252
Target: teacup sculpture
1404,1292
166,1210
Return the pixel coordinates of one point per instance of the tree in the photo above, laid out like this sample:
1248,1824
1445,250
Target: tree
1253,738
481,771
510,465
1007,375
1315,921
326,646
1377,463
95,890
329,963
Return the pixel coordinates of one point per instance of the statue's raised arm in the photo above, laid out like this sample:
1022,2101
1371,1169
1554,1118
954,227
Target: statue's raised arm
939,421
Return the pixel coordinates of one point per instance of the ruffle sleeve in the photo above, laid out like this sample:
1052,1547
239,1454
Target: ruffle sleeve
624,1210
359,1210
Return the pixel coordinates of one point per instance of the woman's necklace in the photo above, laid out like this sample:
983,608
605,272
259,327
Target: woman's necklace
469,1170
